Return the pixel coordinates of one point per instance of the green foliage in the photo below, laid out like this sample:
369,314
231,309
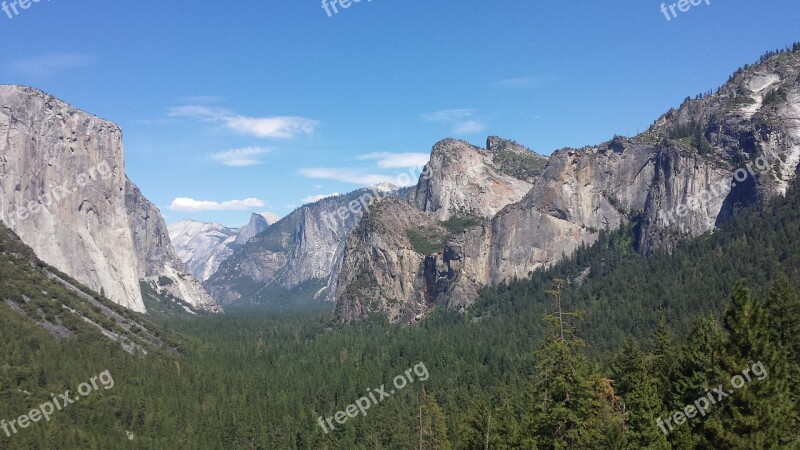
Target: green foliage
458,224
518,165
427,240
775,96
430,240
691,135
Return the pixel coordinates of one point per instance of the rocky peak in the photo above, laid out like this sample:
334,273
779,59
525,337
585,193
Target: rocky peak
497,144
259,222
462,179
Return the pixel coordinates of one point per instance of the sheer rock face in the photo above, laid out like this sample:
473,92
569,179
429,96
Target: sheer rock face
257,225
63,191
689,173
84,230
156,257
464,181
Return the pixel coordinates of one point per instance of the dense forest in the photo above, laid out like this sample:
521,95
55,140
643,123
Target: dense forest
607,349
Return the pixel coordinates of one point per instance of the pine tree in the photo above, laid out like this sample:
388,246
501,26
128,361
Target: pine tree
569,410
696,370
664,352
640,401
783,315
432,428
760,413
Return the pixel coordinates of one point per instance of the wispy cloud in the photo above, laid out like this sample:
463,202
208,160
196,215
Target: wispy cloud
533,82
349,176
240,157
192,205
359,177
386,160
316,198
50,64
285,127
461,121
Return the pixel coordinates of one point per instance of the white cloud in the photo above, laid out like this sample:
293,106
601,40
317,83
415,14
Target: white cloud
462,121
192,205
449,115
534,82
240,157
50,64
285,127
316,198
387,160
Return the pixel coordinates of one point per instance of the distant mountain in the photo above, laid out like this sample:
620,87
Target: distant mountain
64,192
688,174
202,246
259,222
296,256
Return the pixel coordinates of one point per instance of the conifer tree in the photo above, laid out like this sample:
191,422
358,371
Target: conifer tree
432,427
569,410
640,399
760,413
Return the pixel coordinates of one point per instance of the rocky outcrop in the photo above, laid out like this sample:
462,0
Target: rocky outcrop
259,222
689,173
381,271
63,191
465,181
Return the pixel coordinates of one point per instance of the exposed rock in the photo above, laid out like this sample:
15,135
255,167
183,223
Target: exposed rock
202,246
259,222
303,246
156,257
381,271
464,181
64,192
78,222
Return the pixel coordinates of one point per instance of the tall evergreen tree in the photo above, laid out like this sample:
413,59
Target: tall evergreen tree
760,413
432,427
783,315
569,410
640,399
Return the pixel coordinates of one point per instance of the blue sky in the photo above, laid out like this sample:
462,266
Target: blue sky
257,105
